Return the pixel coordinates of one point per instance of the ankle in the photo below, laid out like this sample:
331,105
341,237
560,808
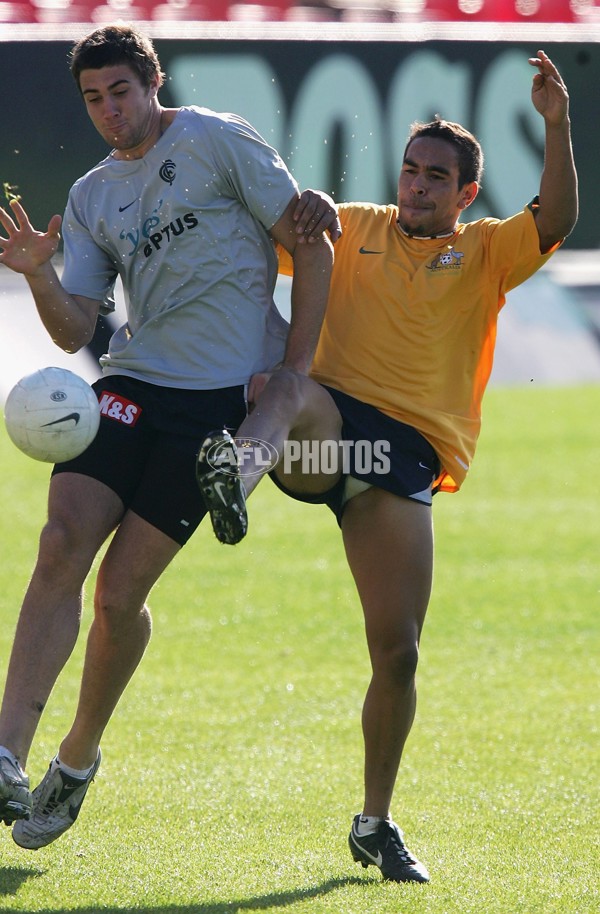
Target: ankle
368,825
76,759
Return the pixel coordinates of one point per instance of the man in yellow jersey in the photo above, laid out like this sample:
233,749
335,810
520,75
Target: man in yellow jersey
403,360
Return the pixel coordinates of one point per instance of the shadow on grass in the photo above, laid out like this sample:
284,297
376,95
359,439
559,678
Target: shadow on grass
11,878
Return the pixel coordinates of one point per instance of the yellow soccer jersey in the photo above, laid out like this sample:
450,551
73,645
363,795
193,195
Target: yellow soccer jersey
411,323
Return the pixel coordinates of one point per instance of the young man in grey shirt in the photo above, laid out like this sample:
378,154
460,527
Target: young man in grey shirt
185,209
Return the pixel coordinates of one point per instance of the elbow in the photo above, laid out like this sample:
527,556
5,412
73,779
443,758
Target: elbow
570,221
552,235
69,346
73,342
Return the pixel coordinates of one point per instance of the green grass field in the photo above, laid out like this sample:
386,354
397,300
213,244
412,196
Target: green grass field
232,767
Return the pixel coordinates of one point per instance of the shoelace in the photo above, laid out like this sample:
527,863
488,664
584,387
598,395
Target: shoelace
403,852
49,803
48,806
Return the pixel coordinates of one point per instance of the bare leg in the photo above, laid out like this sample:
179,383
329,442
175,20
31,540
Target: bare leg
120,632
81,514
291,412
292,407
389,546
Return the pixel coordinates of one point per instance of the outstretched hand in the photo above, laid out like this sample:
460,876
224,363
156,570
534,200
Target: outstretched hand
24,249
549,93
316,213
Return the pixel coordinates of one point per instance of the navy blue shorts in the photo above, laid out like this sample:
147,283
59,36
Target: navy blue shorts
147,444
402,460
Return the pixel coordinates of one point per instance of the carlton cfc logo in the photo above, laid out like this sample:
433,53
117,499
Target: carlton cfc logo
167,171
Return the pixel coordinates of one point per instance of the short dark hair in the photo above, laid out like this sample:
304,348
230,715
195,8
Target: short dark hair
468,149
116,44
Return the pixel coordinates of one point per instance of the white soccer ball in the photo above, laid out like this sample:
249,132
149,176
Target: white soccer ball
52,415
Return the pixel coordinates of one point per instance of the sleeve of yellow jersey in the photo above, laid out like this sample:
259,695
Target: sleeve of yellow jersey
286,262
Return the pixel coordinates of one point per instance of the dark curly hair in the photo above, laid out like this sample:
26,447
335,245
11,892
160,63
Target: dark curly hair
116,44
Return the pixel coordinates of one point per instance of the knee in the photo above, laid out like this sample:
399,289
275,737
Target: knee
291,386
305,405
115,612
58,550
399,663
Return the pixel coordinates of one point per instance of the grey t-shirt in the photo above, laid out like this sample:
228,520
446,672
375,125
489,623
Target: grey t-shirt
186,228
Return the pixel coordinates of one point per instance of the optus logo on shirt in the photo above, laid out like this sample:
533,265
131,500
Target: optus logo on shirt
166,233
151,235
